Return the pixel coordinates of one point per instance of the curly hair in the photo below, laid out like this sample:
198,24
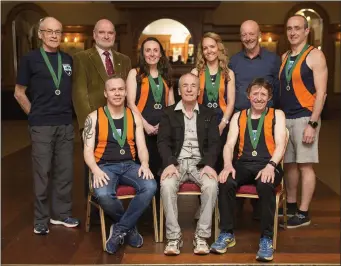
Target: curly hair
222,55
163,65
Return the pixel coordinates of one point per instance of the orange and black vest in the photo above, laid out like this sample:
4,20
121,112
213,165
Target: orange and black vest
222,94
145,100
299,100
266,145
107,149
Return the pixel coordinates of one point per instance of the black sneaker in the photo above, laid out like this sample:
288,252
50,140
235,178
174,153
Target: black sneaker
41,229
297,220
290,212
67,222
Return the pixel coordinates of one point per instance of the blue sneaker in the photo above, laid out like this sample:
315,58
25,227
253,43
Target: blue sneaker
67,222
265,252
115,239
133,238
224,241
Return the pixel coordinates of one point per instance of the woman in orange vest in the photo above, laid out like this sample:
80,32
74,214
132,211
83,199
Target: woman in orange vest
149,90
217,84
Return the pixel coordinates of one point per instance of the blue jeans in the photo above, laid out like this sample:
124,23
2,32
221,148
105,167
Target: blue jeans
125,173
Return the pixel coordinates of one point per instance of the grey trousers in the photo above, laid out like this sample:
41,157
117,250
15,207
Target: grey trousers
169,188
52,165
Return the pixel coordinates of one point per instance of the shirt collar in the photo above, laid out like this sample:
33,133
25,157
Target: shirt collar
101,51
181,107
260,54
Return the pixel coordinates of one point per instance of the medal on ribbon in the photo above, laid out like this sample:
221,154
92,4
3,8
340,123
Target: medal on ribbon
157,90
212,88
120,139
255,140
56,80
288,72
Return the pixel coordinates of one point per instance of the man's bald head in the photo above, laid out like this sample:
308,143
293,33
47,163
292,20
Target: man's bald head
104,34
249,25
104,23
249,35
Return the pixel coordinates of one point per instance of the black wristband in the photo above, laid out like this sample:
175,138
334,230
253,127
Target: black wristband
272,163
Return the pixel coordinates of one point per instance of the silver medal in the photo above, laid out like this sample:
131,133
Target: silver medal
57,92
122,151
288,87
215,105
254,153
209,105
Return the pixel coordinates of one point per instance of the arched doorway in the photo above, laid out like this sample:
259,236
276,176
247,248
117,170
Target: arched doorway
20,37
174,37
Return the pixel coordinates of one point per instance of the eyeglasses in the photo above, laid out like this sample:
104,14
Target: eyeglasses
50,32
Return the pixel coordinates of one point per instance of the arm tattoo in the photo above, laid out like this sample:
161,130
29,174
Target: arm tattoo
87,131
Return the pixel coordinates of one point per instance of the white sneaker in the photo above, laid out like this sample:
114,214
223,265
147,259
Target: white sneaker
173,247
200,245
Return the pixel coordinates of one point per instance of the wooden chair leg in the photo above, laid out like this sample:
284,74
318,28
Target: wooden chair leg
275,224
216,221
161,221
156,231
285,215
88,209
104,234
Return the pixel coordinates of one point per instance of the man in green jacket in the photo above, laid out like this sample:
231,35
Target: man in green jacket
91,68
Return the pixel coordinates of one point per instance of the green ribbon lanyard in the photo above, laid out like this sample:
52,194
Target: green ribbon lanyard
49,66
212,90
157,90
120,139
288,73
254,142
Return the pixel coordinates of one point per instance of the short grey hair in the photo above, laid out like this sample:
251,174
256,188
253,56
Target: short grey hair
188,74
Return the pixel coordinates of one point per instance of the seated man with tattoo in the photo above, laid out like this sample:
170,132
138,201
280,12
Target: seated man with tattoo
111,135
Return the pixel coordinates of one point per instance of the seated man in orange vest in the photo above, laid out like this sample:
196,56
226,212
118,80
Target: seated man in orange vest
110,134
260,132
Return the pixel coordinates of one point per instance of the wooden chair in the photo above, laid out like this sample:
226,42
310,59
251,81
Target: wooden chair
122,192
189,189
250,191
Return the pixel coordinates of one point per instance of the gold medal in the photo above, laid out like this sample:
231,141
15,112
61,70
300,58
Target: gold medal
254,153
122,151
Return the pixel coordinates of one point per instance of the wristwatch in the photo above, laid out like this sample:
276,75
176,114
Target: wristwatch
313,124
273,164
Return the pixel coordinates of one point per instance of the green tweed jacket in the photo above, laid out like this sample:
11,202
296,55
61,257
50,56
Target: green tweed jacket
89,76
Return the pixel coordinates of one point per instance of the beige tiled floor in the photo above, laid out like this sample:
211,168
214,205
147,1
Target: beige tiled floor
14,135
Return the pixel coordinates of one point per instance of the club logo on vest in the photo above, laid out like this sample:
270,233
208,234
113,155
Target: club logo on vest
67,69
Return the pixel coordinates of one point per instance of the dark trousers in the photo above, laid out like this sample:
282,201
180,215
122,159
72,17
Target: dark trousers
86,169
52,164
246,174
155,162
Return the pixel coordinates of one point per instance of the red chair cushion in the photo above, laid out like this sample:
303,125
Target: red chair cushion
251,189
189,187
125,190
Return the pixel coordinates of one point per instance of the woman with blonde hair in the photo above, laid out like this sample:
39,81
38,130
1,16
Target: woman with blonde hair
217,83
